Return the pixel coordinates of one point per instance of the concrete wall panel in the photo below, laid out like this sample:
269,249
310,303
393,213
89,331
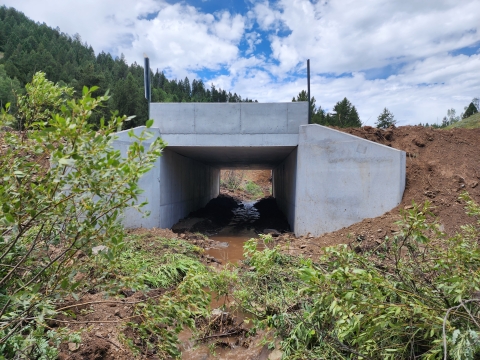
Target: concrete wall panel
176,118
229,118
284,186
297,114
343,179
220,118
263,118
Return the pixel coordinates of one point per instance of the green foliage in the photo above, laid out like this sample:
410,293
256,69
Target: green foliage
472,122
171,267
390,302
63,189
29,47
385,119
344,113
471,109
152,263
232,179
9,88
253,189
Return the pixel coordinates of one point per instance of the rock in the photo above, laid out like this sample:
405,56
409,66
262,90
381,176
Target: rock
408,207
303,246
99,248
73,346
379,230
275,355
474,185
418,142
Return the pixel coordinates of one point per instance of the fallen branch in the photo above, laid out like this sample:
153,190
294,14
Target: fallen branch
234,332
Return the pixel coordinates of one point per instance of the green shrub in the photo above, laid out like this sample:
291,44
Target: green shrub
253,189
62,190
414,296
232,179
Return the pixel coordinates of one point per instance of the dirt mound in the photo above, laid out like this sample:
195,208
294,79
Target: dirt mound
271,217
440,165
216,214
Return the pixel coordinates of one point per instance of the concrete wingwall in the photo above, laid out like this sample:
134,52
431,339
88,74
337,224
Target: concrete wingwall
343,179
284,186
175,186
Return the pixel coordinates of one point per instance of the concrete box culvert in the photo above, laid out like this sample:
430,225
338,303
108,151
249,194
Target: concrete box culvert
323,179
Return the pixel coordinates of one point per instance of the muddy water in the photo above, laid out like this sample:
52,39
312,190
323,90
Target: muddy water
232,238
234,235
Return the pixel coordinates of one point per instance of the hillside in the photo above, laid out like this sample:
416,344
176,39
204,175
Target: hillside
472,122
28,47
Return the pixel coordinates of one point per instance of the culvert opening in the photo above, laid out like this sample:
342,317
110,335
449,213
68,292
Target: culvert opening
236,215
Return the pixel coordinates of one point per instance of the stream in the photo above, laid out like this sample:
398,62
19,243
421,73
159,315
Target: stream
232,238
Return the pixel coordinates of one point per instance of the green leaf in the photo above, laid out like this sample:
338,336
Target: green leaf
9,218
149,123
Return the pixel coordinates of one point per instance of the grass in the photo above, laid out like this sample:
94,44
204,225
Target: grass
155,262
253,189
472,122
1,55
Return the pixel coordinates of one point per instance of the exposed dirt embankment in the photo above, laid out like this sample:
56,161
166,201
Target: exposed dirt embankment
440,165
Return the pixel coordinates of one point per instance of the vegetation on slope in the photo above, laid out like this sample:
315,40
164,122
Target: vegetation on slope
471,122
413,296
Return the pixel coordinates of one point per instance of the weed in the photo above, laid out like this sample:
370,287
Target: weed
253,189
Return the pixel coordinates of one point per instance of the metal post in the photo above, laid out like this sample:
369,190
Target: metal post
146,82
309,102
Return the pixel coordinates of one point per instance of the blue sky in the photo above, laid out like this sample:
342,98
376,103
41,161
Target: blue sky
417,58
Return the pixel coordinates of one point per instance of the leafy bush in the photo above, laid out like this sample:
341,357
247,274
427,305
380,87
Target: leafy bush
232,179
253,189
414,296
62,190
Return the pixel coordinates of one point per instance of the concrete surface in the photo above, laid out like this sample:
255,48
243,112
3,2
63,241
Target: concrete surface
323,179
284,186
176,186
229,118
342,179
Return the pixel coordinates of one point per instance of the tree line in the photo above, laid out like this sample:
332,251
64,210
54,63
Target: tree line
27,47
452,117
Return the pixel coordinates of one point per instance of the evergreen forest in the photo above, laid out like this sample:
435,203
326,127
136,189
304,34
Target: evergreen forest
27,47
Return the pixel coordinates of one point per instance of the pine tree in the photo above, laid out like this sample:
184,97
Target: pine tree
385,119
472,109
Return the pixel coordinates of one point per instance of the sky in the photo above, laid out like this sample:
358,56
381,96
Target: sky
416,58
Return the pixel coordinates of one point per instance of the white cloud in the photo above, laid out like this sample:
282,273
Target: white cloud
350,37
180,38
345,36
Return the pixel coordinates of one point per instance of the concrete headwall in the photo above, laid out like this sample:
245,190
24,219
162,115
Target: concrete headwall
284,186
229,118
343,179
175,186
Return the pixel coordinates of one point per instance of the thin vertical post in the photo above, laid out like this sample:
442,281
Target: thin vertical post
309,101
146,82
